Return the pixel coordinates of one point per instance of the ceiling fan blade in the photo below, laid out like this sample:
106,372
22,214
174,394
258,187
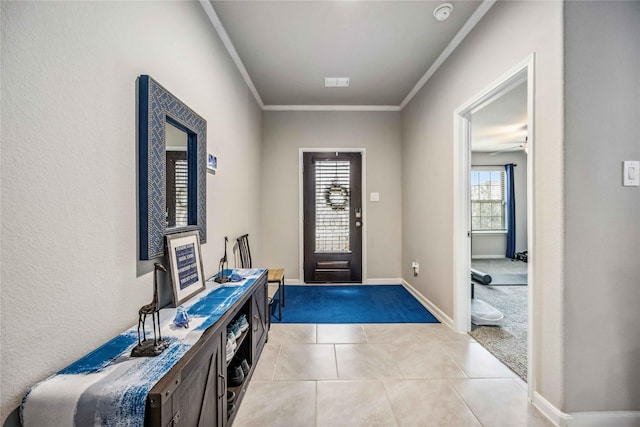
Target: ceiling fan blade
520,147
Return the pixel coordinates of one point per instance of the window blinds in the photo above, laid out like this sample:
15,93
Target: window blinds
333,179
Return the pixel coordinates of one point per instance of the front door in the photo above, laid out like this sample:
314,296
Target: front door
332,217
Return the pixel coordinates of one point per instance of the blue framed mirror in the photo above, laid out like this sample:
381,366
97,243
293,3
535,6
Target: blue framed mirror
172,142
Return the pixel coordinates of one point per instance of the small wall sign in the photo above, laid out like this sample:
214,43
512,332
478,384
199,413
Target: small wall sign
212,163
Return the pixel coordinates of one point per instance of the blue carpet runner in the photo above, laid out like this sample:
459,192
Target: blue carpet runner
351,304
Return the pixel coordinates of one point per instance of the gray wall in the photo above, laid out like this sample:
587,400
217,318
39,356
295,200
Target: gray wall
509,33
70,280
602,250
284,132
495,244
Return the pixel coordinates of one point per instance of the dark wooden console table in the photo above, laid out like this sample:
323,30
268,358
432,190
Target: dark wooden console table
185,386
194,392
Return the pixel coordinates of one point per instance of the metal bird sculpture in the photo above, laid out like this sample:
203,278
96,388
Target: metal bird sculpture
147,347
221,278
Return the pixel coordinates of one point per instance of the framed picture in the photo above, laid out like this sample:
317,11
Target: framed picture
212,163
185,265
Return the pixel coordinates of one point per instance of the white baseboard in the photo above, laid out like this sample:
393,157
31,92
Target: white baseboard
439,314
604,419
487,256
586,419
557,417
391,281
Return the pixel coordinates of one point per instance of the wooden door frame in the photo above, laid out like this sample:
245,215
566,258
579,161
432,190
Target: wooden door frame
301,151
525,70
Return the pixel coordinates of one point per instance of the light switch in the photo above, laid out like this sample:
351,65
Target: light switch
374,197
631,173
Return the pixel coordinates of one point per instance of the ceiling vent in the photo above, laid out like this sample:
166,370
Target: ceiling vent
336,82
443,11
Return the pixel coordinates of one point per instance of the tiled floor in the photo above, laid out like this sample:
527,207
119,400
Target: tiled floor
382,375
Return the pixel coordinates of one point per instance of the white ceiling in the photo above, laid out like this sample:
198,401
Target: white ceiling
287,48
502,124
388,49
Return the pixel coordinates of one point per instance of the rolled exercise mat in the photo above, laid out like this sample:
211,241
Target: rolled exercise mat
481,277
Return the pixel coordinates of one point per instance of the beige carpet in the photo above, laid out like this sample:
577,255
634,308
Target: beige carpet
507,342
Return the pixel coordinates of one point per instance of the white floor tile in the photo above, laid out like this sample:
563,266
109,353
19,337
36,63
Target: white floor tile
382,374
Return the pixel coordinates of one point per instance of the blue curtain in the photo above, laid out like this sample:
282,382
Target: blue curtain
510,211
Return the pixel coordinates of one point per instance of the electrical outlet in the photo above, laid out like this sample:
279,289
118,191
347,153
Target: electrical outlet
416,268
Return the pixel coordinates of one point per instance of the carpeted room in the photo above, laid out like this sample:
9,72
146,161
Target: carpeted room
507,338
499,231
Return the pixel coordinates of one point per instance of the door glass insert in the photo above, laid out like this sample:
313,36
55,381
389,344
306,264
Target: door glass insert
333,179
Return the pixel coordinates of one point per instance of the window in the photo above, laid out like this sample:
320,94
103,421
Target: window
177,189
487,200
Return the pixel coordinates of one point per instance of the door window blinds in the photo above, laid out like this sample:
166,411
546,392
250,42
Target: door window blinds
333,180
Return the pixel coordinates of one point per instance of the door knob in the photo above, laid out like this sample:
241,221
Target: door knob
358,223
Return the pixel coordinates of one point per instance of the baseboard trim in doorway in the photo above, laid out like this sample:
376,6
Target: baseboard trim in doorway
556,416
488,257
585,419
439,314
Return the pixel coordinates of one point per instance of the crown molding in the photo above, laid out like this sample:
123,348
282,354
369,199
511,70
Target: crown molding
222,33
331,108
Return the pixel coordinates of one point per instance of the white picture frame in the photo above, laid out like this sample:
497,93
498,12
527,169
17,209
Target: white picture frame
185,265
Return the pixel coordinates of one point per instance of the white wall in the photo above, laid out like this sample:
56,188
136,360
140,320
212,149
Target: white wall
602,251
508,34
70,280
495,244
284,132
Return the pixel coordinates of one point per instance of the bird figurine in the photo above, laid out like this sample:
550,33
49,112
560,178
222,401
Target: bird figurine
158,345
221,278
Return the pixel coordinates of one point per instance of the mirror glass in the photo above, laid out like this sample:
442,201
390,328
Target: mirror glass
177,176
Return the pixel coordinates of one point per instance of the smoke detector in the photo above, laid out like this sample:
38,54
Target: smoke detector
443,11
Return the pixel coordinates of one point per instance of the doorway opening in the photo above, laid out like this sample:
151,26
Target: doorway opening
499,255
480,227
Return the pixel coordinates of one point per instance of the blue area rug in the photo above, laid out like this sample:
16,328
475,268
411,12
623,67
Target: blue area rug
351,304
